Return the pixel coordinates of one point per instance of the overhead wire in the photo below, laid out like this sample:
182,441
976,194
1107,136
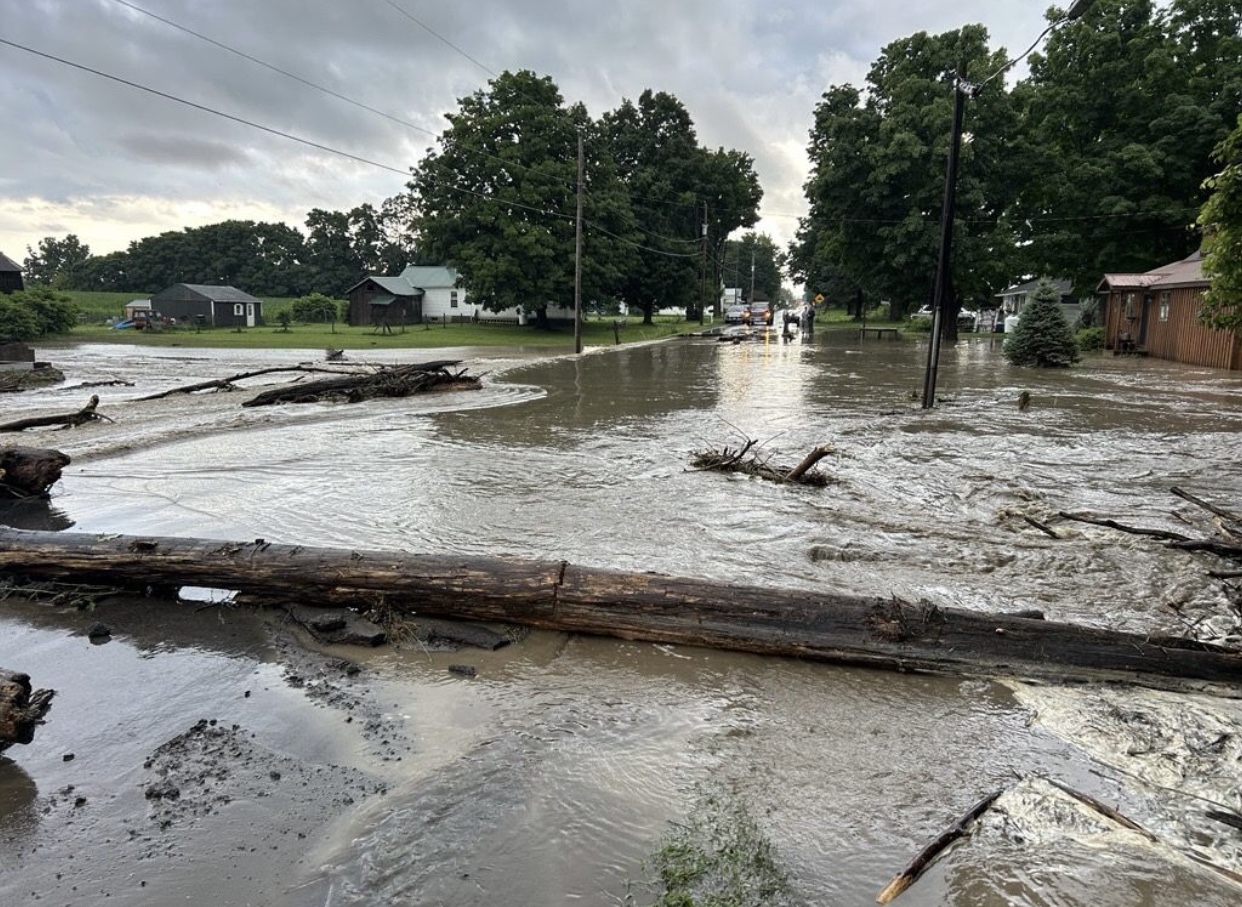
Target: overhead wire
268,129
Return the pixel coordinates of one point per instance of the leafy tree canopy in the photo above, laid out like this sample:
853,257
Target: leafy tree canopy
55,262
497,199
1221,220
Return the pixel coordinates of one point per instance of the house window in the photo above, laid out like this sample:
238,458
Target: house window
452,299
1129,305
1164,306
238,309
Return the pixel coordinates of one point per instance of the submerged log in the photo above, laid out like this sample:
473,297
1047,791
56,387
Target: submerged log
21,709
553,595
28,472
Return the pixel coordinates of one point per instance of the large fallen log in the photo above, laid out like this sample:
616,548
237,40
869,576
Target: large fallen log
21,708
877,632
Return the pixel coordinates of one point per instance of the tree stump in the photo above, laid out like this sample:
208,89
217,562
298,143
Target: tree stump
21,710
27,472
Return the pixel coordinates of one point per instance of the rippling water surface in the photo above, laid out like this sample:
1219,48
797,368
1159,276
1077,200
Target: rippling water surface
552,776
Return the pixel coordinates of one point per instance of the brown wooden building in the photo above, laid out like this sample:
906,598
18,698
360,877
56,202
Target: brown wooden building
1157,314
10,275
384,300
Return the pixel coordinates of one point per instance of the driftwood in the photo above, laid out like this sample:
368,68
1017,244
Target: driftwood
230,383
728,459
27,472
21,709
554,595
1102,808
919,864
68,420
1227,543
398,381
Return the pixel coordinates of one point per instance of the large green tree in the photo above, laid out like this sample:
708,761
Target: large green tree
686,201
496,199
876,188
56,261
1221,220
1121,113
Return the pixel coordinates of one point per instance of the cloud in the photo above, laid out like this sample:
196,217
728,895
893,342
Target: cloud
113,163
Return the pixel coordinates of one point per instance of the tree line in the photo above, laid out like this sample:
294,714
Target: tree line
497,200
1095,161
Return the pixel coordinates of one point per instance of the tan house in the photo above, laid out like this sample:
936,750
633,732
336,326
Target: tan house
1157,314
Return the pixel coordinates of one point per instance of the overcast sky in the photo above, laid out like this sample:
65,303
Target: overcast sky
82,154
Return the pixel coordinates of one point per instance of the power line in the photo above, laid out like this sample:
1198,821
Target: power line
268,129
431,31
277,69
307,82
203,108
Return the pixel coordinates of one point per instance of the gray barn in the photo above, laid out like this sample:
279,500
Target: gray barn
211,306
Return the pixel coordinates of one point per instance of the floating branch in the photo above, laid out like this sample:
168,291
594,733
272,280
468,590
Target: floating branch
919,864
728,459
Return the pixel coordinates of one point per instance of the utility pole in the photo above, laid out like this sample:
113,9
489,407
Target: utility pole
752,275
703,266
578,256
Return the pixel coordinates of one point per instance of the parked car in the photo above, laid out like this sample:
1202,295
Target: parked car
737,314
760,314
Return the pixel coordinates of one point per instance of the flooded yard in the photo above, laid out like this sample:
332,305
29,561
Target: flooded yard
553,775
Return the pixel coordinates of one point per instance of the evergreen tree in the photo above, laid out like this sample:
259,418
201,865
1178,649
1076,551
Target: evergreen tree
1043,337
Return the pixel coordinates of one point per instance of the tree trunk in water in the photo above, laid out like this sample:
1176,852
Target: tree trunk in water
29,471
554,595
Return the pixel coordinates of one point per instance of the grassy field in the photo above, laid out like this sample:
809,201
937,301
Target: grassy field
324,336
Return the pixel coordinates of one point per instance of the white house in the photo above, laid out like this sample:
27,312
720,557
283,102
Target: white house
428,293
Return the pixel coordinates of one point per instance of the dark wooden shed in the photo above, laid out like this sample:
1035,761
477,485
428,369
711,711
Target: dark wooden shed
384,300
211,306
10,275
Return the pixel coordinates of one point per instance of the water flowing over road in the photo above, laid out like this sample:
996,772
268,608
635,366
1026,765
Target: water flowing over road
553,774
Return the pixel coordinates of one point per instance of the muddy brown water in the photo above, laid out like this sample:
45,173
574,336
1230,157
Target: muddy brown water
552,775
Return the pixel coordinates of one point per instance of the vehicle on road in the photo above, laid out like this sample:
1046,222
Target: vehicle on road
760,314
737,314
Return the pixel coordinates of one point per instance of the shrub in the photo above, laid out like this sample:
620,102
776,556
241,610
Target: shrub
17,321
1043,337
315,308
919,325
1090,340
35,313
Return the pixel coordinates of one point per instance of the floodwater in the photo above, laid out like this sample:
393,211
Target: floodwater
552,775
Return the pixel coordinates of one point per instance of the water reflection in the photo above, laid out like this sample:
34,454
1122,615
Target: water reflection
34,514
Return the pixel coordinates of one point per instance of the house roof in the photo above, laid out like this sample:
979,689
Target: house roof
397,286
1063,285
217,293
433,277
1185,273
8,264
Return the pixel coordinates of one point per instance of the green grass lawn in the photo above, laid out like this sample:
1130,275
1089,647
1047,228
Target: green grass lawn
323,336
